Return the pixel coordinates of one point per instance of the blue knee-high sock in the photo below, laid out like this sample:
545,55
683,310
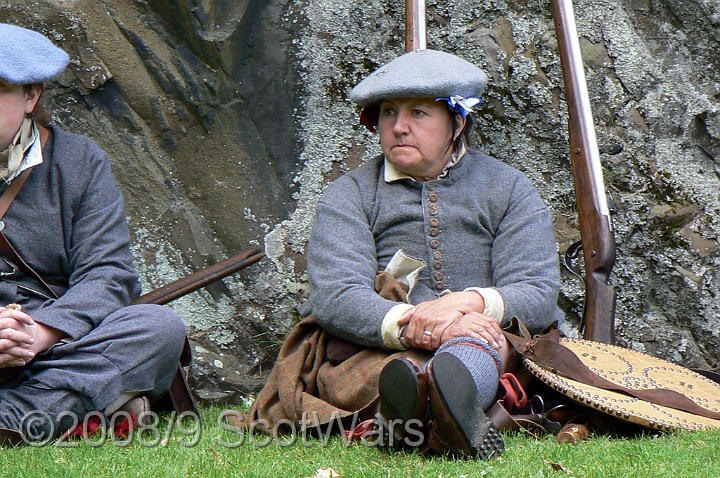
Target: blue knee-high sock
482,361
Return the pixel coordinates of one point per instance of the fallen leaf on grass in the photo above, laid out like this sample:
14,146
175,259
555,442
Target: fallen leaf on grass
325,473
557,467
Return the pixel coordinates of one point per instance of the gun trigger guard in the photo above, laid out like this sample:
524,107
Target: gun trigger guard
572,253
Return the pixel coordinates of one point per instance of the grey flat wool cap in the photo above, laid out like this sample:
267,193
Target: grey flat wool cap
27,57
421,73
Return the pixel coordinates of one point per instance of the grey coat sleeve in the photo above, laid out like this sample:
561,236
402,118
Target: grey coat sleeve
342,264
524,257
102,277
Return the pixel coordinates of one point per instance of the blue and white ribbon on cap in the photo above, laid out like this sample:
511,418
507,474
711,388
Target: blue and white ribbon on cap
461,105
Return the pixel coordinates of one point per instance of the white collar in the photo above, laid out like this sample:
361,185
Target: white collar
392,173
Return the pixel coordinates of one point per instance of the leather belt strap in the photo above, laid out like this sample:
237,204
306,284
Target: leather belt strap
501,418
533,423
180,395
549,353
12,190
6,247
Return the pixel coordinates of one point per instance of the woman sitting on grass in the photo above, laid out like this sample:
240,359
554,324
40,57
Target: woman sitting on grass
465,242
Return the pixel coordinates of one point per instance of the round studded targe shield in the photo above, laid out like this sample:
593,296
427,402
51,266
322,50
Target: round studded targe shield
639,372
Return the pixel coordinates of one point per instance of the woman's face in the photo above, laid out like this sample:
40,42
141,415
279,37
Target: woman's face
416,135
15,102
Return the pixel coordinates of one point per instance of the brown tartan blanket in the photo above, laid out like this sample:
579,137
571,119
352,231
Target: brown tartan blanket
319,377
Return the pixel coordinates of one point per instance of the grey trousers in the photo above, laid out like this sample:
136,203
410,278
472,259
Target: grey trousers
135,349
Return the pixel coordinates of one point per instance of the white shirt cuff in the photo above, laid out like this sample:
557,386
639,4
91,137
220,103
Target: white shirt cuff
390,329
494,303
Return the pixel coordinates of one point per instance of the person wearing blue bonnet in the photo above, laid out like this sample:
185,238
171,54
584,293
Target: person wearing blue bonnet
415,261
70,342
469,236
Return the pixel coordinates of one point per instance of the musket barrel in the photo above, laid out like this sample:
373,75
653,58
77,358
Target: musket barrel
199,279
578,99
415,25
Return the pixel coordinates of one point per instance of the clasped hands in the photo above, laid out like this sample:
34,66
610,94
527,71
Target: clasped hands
22,338
457,314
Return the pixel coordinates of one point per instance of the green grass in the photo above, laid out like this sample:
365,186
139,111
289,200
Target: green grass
682,454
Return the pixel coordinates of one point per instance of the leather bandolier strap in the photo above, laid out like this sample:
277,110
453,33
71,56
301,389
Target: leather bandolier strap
6,247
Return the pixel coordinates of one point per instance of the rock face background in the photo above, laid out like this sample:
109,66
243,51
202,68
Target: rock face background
225,119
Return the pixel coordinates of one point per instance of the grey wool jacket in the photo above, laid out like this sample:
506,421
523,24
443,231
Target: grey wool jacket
68,223
483,225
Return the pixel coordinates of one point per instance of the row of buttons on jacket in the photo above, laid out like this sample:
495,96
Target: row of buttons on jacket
435,243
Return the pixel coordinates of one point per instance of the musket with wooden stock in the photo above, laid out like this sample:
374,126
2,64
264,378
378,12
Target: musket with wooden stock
598,241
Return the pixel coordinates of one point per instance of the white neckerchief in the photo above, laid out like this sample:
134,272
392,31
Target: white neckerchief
26,150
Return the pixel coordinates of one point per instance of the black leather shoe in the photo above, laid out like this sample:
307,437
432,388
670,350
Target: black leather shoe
459,426
403,402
